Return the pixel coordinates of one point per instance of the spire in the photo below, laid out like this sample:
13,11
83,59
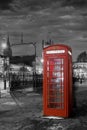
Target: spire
42,44
21,37
8,42
8,50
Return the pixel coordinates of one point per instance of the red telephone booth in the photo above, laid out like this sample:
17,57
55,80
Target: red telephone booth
57,80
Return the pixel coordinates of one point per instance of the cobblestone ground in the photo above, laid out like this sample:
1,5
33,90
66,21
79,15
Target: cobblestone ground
22,110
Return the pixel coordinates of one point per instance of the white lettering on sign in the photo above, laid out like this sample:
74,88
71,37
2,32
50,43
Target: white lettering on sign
55,51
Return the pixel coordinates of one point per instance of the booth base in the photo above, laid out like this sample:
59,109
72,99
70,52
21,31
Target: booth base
53,117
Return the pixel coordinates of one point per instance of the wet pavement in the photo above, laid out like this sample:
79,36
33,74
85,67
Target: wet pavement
23,110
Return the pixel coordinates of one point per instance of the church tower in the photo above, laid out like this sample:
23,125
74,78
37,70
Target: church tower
8,50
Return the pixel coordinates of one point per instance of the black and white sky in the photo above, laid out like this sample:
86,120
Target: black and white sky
64,21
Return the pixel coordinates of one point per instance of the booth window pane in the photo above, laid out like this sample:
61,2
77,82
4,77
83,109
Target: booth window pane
55,83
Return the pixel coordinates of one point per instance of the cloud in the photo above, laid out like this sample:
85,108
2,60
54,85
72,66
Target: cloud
75,2
4,4
25,5
44,19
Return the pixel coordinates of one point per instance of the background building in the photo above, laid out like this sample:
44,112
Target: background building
80,70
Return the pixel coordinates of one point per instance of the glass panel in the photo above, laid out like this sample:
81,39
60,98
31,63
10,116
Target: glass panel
55,83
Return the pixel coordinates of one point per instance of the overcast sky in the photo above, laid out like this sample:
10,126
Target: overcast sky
64,21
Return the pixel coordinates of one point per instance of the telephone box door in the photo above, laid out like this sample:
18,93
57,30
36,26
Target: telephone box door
54,92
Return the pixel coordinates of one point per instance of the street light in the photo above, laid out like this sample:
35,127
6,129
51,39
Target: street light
4,47
42,60
34,44
7,53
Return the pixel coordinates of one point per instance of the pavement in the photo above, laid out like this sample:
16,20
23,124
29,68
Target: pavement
23,110
7,98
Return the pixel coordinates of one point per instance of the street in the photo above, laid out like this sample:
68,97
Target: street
23,110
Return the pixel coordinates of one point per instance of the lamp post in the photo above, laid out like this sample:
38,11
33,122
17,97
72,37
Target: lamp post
34,86
4,47
7,53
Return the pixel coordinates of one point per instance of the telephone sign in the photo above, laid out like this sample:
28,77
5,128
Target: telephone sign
57,80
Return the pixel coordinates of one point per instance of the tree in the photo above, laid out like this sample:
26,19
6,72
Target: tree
82,57
23,69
